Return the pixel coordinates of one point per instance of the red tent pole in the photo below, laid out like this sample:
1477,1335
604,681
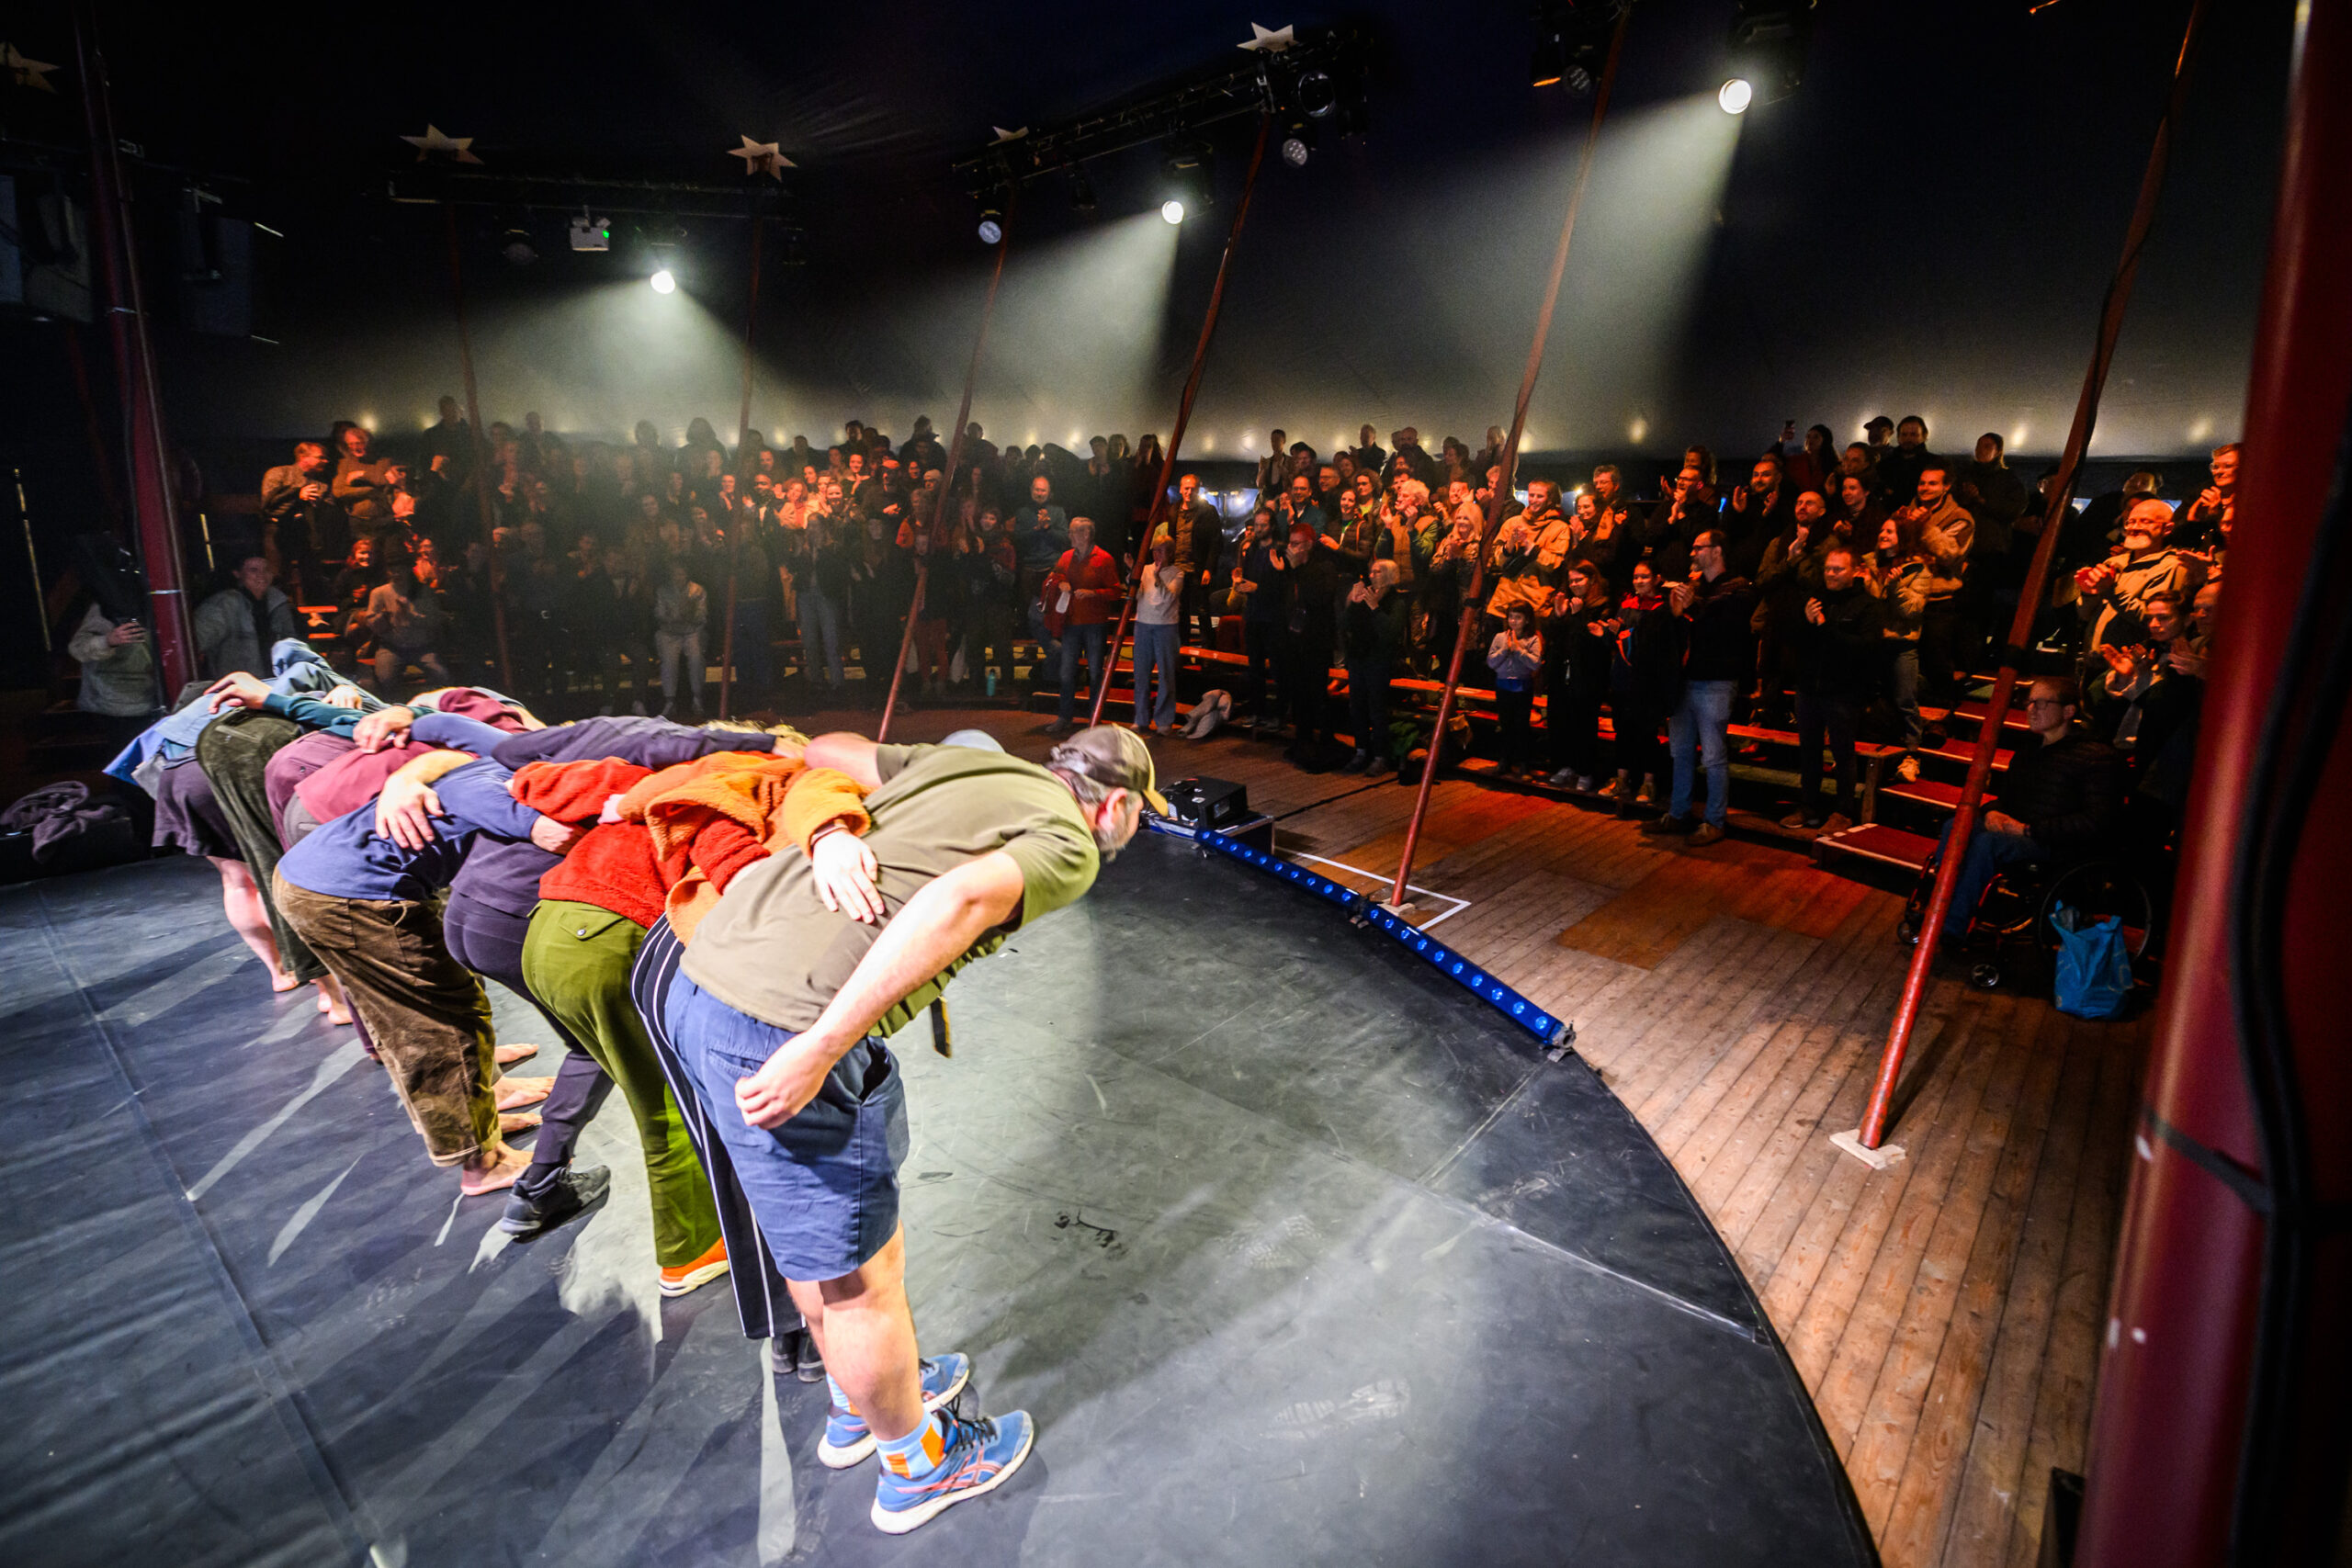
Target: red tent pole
1183,417
954,463
1988,735
1502,490
2218,1436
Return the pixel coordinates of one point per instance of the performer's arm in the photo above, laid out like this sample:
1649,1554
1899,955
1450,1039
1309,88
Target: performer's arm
938,924
851,754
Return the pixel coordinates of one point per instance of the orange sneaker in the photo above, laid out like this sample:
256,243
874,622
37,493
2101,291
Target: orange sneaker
700,1272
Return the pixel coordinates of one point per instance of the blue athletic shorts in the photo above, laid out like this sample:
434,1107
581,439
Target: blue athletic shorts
823,1185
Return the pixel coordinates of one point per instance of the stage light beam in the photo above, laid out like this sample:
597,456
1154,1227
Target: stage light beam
1735,95
663,281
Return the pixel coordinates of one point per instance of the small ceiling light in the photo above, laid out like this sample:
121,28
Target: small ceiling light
664,283
1736,96
1173,210
517,247
1296,150
991,226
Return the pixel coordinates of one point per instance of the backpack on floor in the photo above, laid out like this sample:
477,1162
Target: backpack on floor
2093,964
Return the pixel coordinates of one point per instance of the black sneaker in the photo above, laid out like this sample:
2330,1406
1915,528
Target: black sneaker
574,1189
807,1364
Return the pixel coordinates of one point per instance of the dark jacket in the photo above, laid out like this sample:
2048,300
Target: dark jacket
1648,662
1839,658
1374,635
2065,794
1722,645
1311,596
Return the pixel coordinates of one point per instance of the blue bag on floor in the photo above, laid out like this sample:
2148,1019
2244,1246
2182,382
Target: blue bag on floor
2093,964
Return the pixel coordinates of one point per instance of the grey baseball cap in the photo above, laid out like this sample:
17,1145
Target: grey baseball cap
1110,755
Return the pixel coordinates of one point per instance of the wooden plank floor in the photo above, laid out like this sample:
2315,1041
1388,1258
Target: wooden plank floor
1943,1313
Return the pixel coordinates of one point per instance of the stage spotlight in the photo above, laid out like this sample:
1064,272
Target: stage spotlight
1317,94
1736,96
1188,178
592,234
517,247
1298,142
1768,43
991,225
664,283
1173,210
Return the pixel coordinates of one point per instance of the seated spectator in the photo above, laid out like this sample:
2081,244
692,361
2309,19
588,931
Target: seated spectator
236,627
405,620
2058,802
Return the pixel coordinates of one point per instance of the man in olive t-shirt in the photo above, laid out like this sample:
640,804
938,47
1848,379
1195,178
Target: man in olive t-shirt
777,1011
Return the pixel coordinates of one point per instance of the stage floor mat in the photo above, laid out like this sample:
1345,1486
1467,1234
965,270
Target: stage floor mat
1297,1253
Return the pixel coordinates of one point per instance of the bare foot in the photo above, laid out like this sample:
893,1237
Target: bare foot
492,1170
279,980
507,1055
514,1093
324,1005
517,1121
332,1002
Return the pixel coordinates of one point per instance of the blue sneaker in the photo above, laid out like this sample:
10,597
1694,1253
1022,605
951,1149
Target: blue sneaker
978,1455
847,1438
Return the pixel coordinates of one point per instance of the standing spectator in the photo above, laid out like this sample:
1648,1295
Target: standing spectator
117,666
360,486
1040,538
1372,630
593,620
298,501
1515,656
1837,644
1948,531
1854,509
1158,598
1811,465
1079,596
1577,648
881,587
2205,522
991,579
1645,686
1899,574
236,627
1258,588
822,588
1899,466
1759,510
1199,542
1992,494
2115,593
1789,574
1308,578
1527,555
1718,607
681,612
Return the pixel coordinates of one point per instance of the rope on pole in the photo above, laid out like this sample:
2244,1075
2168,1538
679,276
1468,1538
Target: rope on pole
1464,633
954,463
1183,417
481,476
1873,1131
742,440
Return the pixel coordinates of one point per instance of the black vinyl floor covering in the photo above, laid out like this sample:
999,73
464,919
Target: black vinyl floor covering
1297,1253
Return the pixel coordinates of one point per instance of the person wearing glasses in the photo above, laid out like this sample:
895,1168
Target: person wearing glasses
2058,802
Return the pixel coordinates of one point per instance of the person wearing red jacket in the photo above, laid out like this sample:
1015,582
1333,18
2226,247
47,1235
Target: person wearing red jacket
1081,595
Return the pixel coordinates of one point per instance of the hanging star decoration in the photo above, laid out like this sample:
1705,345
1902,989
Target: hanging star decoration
1273,40
26,72
1004,135
434,141
761,158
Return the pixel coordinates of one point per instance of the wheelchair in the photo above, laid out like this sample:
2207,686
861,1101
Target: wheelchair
2009,935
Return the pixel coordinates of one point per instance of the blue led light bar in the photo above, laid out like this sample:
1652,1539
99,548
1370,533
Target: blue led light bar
1484,986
